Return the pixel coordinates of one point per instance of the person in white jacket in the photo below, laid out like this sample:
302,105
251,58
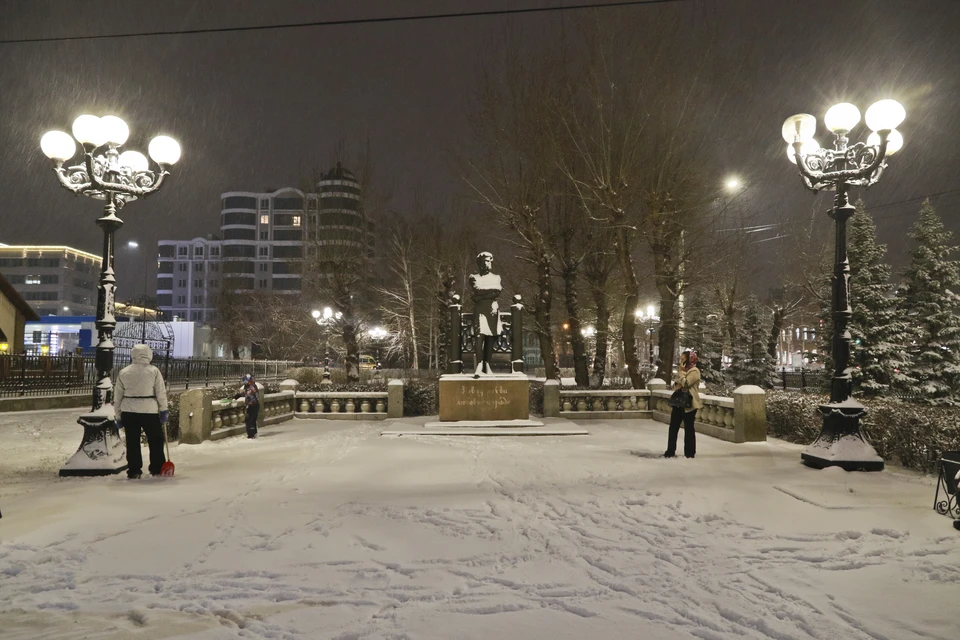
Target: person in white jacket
140,400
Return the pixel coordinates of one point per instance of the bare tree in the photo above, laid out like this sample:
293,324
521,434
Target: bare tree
398,292
642,126
512,166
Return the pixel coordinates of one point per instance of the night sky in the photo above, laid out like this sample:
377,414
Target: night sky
264,109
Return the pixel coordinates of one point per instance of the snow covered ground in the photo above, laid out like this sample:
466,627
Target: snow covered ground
327,530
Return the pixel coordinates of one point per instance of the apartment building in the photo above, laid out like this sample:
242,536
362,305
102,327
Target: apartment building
55,280
264,237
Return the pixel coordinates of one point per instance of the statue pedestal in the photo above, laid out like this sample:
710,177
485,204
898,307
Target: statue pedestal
489,398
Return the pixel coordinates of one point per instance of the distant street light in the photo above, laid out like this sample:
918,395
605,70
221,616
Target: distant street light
377,334
104,173
841,442
733,183
325,319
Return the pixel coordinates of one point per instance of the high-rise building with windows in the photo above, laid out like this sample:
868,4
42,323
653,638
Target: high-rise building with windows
188,278
54,280
264,237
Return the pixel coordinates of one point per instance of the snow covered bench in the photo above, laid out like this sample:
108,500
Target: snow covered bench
948,480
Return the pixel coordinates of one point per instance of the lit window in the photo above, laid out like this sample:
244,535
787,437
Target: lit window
33,280
296,221
264,219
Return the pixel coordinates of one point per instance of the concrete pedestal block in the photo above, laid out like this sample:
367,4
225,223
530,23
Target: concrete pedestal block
493,397
196,416
551,399
749,414
395,399
290,385
656,384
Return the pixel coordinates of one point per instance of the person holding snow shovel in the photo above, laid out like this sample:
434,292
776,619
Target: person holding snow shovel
140,401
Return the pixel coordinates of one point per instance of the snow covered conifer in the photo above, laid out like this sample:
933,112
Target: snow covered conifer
930,301
752,364
702,332
879,335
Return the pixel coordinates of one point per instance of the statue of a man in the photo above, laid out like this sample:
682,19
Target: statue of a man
486,312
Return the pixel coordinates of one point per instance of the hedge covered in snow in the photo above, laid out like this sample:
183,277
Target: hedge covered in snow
910,435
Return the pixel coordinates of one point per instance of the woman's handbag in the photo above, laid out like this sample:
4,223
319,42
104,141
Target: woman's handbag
681,399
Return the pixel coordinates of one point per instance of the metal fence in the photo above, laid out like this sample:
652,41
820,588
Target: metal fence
39,375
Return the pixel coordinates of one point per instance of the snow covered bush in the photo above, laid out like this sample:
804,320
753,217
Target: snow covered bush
420,398
908,434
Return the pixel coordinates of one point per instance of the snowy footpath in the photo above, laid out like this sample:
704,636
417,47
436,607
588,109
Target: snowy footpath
322,529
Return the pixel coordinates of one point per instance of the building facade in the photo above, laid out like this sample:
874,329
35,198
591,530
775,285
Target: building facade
189,278
264,238
54,280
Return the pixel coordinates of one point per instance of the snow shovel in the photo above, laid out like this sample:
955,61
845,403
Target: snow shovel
167,469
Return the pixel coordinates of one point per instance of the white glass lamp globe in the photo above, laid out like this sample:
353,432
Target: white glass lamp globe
315,313
133,159
164,149
89,129
650,311
885,114
842,118
806,149
802,125
58,145
638,313
894,141
327,313
115,129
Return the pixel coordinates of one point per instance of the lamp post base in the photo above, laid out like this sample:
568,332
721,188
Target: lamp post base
101,452
841,443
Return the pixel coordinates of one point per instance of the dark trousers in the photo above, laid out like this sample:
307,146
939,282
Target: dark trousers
689,435
483,349
133,423
251,421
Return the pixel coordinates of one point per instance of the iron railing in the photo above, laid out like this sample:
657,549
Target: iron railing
39,375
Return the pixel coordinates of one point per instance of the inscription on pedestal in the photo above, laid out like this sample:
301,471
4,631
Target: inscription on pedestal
491,398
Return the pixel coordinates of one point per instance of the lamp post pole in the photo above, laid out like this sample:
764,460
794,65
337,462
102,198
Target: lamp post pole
841,441
325,320
116,178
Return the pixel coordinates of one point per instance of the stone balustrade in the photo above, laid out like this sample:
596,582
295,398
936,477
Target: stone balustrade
228,416
605,404
367,405
742,418
202,418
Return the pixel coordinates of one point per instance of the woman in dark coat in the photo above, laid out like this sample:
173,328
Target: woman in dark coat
688,379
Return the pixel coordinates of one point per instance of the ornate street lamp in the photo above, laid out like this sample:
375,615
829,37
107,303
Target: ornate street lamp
841,442
104,173
325,319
